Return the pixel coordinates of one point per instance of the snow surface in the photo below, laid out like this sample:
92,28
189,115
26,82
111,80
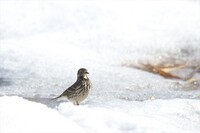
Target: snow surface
44,43
166,116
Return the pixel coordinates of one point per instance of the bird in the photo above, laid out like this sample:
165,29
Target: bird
78,91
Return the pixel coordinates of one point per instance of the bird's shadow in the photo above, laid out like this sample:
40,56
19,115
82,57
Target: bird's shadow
53,104
46,101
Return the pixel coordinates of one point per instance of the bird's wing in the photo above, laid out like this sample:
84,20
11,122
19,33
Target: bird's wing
76,86
71,90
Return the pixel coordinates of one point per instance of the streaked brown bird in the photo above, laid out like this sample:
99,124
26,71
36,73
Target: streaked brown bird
80,90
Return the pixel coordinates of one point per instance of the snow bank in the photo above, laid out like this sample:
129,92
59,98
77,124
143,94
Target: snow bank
19,115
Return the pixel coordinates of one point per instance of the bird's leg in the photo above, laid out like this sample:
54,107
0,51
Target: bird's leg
76,103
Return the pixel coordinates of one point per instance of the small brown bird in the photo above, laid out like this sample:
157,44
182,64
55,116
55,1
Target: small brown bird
80,90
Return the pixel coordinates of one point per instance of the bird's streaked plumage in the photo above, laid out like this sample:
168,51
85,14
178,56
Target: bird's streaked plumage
80,90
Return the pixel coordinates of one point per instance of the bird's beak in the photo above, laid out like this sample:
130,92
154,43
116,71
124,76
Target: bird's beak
87,72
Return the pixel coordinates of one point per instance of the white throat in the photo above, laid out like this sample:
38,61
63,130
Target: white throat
85,76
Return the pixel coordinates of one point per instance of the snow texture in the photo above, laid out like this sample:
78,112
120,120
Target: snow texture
20,115
44,43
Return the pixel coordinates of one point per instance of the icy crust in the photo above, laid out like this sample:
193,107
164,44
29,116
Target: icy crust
43,44
40,66
177,115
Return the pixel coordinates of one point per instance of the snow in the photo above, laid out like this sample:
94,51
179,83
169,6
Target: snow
176,115
44,43
21,116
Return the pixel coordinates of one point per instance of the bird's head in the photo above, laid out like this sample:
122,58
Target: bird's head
82,72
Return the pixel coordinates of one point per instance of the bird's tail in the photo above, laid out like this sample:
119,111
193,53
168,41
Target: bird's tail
55,98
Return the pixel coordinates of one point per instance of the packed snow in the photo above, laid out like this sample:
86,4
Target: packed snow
20,115
44,43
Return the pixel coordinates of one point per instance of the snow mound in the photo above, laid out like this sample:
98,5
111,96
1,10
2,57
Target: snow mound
177,115
18,115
